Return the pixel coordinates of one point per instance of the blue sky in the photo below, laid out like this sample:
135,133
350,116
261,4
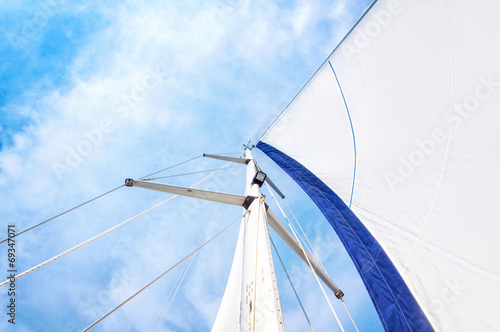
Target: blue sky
91,94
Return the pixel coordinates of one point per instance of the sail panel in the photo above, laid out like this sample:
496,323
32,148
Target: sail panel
228,316
421,83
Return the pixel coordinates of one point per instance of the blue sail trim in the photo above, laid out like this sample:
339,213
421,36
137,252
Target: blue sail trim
397,308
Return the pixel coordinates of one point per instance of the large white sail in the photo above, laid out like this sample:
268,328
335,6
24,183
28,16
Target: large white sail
397,139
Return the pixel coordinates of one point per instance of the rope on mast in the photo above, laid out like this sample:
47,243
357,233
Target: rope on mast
161,275
309,263
307,244
320,262
305,235
291,284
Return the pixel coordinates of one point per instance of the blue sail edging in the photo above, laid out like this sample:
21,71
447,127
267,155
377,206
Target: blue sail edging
395,304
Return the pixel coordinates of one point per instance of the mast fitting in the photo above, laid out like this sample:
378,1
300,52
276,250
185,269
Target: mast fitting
248,201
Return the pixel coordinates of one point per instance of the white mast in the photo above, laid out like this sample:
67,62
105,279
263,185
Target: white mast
260,304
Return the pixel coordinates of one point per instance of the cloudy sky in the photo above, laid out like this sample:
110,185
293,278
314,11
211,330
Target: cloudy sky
91,94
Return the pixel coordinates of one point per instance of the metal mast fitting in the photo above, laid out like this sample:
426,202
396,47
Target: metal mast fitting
208,195
246,161
259,178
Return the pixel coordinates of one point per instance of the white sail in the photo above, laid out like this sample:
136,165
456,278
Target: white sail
402,122
228,316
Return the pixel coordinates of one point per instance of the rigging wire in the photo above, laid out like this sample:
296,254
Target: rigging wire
197,172
291,284
305,235
162,170
103,233
84,243
352,320
186,267
161,275
309,262
320,262
226,153
91,200
63,213
309,247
